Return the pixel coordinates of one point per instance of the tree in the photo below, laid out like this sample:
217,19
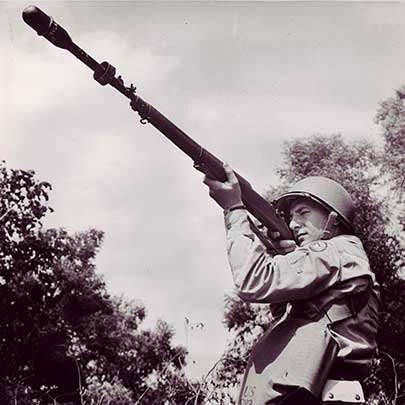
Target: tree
391,117
359,167
63,338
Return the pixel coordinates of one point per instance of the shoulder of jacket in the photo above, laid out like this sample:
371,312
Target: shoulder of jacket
349,244
346,240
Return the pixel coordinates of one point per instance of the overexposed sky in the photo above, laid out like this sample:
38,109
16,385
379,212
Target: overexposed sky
239,77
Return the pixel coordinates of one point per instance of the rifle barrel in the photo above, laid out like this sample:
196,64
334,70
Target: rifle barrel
104,73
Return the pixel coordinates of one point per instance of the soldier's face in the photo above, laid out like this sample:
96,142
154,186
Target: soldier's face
307,220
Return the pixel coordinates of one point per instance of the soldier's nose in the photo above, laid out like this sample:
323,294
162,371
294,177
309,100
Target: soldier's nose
294,226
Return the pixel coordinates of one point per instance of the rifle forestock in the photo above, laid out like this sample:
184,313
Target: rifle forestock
104,73
209,164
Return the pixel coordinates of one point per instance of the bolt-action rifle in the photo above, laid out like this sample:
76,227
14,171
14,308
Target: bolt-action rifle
204,161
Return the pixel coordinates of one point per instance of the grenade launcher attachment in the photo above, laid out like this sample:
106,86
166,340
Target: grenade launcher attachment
204,161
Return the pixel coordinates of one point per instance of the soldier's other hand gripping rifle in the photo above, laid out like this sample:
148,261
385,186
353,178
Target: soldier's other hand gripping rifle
228,195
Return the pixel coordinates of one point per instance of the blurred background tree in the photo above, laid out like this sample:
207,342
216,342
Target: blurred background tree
63,338
374,176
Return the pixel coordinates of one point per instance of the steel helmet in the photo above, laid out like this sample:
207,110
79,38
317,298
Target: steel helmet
326,192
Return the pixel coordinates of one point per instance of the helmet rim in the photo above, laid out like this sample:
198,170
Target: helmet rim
282,203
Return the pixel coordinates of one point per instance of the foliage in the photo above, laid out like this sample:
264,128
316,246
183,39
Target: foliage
106,393
362,169
391,117
63,339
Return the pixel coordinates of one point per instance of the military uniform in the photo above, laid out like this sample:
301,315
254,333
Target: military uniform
328,300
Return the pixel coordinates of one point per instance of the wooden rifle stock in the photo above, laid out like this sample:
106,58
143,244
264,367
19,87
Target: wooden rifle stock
204,161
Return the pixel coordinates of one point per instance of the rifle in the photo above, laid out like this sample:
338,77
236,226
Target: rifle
204,161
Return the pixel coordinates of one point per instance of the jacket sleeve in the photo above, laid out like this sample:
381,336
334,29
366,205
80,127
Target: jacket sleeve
259,277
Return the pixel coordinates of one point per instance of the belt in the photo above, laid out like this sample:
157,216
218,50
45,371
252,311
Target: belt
334,313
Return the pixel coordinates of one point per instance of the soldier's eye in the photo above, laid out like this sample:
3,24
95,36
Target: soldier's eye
303,212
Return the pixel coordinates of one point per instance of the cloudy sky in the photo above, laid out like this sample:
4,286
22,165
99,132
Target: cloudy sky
239,77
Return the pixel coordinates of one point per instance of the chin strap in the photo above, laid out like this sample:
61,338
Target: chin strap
329,227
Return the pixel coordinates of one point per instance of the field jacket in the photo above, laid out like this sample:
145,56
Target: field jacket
311,338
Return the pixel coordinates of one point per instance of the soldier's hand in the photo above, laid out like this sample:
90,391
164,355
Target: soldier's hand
284,246
228,193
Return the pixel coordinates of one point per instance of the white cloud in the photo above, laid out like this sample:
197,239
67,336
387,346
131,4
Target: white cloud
143,64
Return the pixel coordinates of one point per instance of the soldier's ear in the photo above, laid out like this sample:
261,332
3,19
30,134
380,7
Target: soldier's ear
336,222
340,226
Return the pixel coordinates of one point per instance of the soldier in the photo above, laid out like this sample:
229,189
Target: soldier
323,338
